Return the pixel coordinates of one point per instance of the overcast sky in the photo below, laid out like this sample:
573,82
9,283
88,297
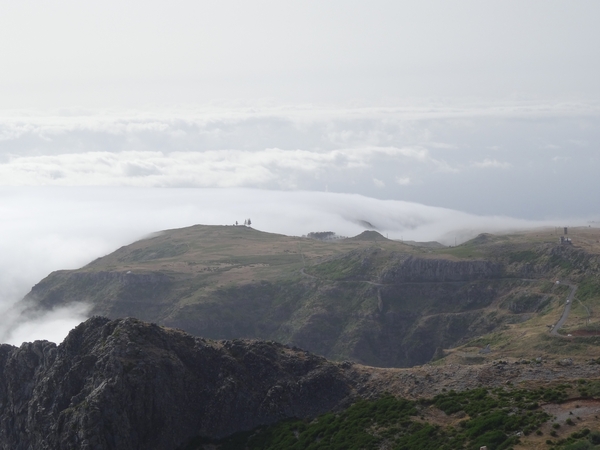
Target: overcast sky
139,53
430,119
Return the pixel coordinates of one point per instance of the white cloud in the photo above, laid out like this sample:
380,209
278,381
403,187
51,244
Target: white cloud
51,326
403,181
305,147
215,168
380,184
578,142
441,145
490,163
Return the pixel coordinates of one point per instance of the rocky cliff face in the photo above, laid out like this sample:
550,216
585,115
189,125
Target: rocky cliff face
411,307
126,384
123,293
414,269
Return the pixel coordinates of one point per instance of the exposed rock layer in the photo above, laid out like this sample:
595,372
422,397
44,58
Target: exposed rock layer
438,270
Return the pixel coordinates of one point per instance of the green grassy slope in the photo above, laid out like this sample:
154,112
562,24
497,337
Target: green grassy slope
370,299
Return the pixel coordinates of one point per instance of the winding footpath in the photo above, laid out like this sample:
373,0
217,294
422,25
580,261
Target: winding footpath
567,310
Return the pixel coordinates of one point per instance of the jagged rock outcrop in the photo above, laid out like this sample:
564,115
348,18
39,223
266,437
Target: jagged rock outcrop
126,384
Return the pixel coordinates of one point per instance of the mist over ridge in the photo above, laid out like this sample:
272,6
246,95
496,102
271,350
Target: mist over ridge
80,183
55,228
414,118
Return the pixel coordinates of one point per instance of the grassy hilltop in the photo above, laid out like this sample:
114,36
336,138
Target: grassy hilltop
373,300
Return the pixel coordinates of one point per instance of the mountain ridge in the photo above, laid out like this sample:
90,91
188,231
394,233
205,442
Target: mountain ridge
129,384
380,303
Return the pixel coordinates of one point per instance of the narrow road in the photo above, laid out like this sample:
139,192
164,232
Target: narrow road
567,310
309,275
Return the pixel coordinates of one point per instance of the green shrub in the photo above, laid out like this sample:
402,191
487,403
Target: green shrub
594,437
580,445
494,418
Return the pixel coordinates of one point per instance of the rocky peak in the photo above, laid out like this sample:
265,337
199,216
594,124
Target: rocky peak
127,384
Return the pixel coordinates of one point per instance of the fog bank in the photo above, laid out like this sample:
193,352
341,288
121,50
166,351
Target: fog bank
52,228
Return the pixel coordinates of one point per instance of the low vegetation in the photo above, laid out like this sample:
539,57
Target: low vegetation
497,418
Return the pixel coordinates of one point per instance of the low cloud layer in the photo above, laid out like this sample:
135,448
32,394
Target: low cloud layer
212,168
52,228
78,183
515,159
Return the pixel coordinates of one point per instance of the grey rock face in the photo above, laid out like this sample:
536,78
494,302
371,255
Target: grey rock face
64,287
439,270
126,384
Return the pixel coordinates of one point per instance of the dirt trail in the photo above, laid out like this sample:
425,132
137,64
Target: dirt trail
565,314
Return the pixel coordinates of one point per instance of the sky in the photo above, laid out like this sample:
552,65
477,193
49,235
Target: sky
432,120
70,53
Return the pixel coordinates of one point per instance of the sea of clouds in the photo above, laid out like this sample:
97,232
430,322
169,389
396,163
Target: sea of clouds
77,184
52,228
519,159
